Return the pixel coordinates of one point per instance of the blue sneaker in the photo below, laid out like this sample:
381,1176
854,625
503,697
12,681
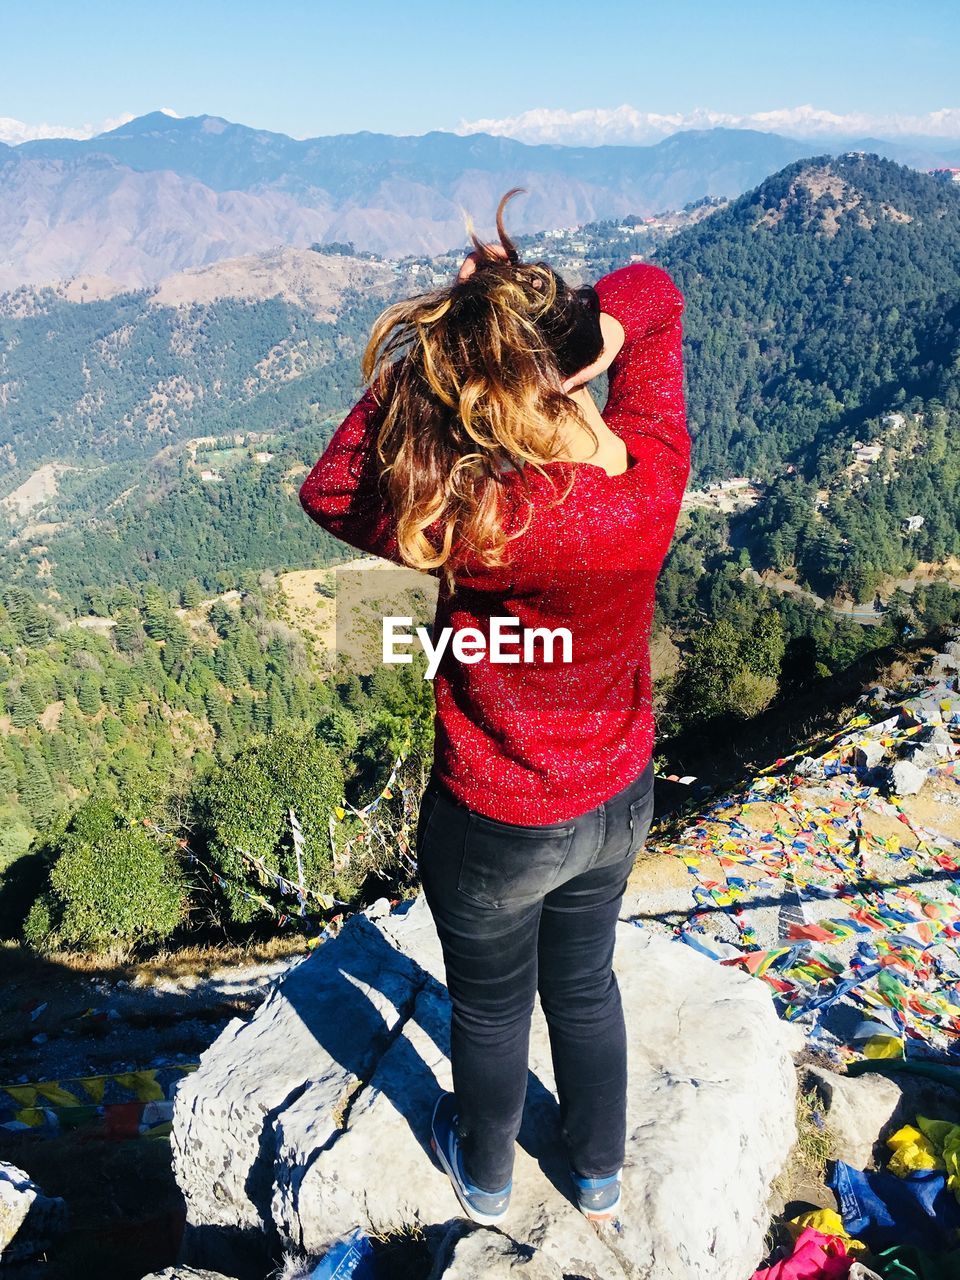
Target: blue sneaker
597,1198
486,1207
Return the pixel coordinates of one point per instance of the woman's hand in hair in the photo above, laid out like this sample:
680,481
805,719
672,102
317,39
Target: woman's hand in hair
613,339
469,265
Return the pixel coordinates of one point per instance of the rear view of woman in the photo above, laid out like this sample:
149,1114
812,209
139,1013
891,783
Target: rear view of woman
477,454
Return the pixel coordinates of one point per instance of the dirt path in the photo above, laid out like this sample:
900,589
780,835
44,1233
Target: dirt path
923,574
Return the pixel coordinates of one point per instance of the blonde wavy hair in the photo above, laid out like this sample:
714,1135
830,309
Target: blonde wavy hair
471,379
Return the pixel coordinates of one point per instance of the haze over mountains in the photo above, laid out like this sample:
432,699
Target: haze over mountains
161,194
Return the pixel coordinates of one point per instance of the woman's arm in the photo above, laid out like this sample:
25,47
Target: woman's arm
645,404
342,493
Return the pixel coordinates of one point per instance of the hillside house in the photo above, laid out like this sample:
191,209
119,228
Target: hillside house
866,452
211,476
893,420
911,523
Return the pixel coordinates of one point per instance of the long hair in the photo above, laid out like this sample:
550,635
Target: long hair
471,378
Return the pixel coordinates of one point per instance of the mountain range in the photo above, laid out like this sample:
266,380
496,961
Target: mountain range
162,194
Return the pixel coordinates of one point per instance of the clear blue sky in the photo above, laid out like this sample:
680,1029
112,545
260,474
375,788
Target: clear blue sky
408,66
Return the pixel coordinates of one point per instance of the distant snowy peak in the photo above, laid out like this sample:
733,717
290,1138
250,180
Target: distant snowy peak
598,126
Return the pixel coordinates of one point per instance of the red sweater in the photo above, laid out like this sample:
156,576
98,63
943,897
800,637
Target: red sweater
540,742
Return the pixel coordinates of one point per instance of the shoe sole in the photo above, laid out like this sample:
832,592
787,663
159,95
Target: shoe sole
604,1215
484,1219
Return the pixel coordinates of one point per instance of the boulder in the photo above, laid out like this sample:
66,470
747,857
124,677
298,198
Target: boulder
29,1220
856,1111
922,755
186,1273
494,1256
927,705
906,779
868,755
313,1117
936,737
862,1111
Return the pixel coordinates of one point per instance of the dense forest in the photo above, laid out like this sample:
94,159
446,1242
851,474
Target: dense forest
119,379
173,525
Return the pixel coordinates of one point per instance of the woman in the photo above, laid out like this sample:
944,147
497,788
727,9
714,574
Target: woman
478,455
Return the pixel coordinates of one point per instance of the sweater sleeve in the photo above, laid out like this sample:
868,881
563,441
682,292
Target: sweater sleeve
645,404
342,492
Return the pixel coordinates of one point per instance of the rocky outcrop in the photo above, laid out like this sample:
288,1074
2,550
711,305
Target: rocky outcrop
313,1117
29,1220
185,1273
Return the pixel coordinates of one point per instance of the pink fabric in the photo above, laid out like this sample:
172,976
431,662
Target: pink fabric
541,742
815,1257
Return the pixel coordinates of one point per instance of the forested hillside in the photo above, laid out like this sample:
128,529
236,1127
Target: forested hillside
823,314
820,300
118,379
208,514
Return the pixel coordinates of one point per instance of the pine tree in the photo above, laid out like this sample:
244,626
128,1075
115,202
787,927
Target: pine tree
36,788
88,693
24,712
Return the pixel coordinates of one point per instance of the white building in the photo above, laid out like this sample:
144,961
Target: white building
867,452
911,523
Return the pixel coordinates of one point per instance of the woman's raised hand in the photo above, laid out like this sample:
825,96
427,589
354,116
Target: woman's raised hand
469,265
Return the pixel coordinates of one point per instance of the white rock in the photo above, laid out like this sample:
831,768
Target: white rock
906,779
922,755
938,738
378,909
856,1109
29,1220
869,754
494,1256
186,1273
314,1117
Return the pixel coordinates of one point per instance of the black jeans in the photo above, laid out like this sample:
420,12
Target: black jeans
521,910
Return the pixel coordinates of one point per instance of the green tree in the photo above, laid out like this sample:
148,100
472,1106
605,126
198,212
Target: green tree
88,693
244,806
24,712
112,885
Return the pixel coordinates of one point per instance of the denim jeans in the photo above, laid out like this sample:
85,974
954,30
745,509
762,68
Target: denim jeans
522,910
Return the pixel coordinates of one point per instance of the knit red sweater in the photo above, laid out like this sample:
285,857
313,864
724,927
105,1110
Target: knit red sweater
537,742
